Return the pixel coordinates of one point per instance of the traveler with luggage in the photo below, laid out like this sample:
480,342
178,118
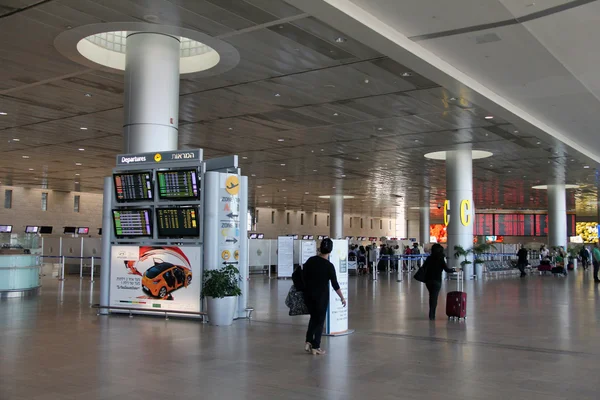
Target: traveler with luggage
318,272
596,261
585,257
434,265
522,261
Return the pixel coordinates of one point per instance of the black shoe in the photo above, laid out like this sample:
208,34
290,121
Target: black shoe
523,275
597,280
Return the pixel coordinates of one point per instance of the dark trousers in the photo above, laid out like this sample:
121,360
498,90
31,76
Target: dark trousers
521,267
434,292
596,267
315,324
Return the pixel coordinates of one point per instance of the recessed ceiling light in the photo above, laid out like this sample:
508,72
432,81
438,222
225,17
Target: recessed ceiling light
77,174
16,140
406,74
88,95
31,169
3,113
306,193
343,176
266,201
283,165
262,195
83,128
322,149
417,140
335,114
77,183
81,149
358,158
259,187
539,143
515,131
379,129
314,170
281,140
341,40
283,180
586,166
25,157
78,164
253,175
284,190
245,158
230,128
366,81
489,117
277,95
452,99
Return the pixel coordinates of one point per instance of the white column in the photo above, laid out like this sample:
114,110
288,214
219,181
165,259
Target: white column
336,216
459,192
244,245
151,92
424,217
557,215
107,235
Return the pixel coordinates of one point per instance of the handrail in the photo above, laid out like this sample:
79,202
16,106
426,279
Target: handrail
201,314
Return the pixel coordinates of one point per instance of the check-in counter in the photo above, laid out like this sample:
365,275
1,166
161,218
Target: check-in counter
19,275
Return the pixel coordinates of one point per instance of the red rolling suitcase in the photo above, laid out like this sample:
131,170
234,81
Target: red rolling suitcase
456,302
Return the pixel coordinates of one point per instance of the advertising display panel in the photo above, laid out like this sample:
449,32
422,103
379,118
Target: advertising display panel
156,278
337,314
285,256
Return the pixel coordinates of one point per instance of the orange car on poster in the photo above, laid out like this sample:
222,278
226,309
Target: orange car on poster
164,278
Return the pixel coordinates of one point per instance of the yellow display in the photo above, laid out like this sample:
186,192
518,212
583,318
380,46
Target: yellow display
588,231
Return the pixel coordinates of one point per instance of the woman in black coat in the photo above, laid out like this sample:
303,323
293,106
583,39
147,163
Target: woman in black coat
435,264
317,274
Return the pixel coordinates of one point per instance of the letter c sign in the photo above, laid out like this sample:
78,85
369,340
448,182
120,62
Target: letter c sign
446,208
465,212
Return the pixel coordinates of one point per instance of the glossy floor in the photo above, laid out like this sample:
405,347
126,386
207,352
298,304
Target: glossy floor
535,338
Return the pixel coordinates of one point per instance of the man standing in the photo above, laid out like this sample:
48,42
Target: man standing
596,261
522,262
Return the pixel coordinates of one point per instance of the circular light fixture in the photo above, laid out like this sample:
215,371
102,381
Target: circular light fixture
16,140
586,166
3,113
78,164
25,157
475,154
489,117
105,45
81,149
281,140
545,187
31,169
83,128
329,196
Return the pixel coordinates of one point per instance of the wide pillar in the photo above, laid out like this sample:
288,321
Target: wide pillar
459,192
557,215
336,216
424,218
151,93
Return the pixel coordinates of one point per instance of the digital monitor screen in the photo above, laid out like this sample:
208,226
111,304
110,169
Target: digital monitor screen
349,237
541,225
46,230
99,231
261,236
70,229
253,236
177,185
311,237
32,229
83,230
135,186
177,222
484,224
304,237
509,224
5,228
132,223
320,237
571,225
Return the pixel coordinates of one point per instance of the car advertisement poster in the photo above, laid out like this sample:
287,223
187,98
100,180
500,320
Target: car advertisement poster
337,314
156,278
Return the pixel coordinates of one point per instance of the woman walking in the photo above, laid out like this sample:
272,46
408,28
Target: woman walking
435,264
317,273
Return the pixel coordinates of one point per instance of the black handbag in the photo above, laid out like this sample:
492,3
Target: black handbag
421,274
295,302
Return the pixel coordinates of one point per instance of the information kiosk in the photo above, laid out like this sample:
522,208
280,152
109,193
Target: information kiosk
156,240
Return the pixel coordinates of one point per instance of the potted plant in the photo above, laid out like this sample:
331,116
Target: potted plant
221,289
459,252
478,251
573,252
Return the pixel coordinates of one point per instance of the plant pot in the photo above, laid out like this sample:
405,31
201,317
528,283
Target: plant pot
221,311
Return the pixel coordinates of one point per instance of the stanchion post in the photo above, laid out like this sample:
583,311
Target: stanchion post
269,259
81,260
92,273
61,275
375,269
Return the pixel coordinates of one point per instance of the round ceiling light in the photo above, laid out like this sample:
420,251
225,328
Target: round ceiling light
104,46
329,196
476,155
545,187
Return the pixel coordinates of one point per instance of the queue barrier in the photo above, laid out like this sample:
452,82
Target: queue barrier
201,314
410,262
62,259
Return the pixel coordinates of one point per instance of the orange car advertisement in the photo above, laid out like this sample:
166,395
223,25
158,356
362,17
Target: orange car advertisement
438,231
156,277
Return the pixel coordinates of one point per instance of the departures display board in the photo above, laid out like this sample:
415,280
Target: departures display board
484,224
132,223
177,184
130,187
177,222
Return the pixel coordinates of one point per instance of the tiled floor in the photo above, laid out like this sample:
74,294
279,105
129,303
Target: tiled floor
536,338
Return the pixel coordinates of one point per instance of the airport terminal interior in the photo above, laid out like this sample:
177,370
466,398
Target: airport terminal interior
190,185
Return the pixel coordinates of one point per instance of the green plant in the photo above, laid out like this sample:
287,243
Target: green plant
481,249
219,283
459,252
574,251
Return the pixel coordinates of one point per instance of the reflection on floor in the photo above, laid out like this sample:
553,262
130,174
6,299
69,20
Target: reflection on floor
536,338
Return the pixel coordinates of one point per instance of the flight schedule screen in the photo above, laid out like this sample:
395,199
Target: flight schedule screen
132,223
133,186
178,185
177,222
484,224
509,224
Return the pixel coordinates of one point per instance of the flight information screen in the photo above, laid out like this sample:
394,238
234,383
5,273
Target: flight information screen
132,223
541,225
484,224
178,185
509,224
177,222
571,231
133,186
